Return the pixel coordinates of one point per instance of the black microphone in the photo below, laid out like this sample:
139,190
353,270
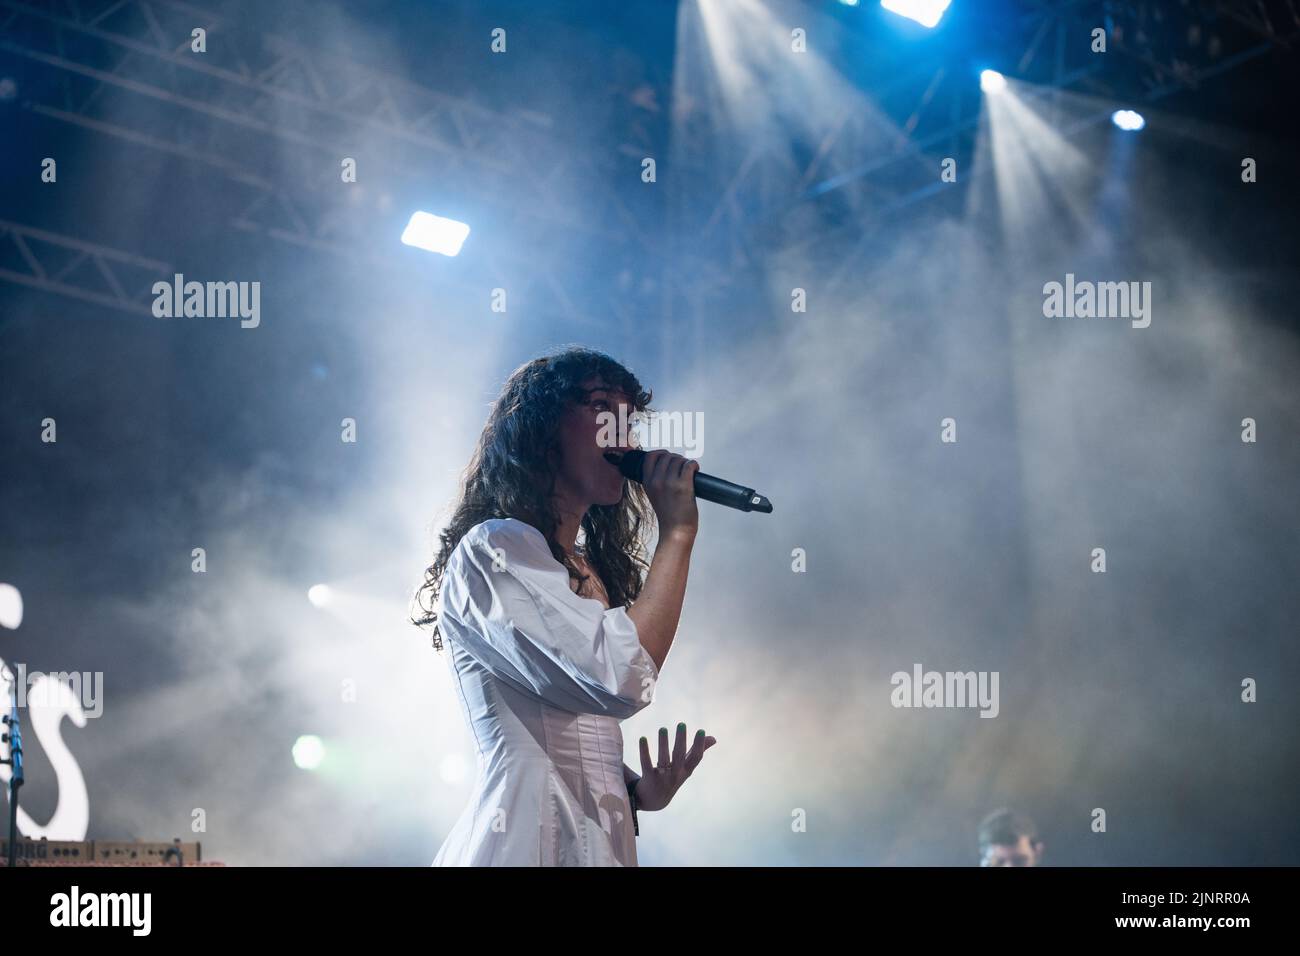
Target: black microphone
707,487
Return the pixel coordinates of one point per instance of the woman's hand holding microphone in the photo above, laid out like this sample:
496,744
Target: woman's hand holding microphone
669,481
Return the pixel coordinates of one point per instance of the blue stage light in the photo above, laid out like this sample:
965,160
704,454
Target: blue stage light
1128,120
991,81
928,13
435,234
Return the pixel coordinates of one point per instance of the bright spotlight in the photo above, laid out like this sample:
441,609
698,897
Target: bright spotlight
928,13
11,607
991,81
849,3
308,752
435,234
319,594
1128,120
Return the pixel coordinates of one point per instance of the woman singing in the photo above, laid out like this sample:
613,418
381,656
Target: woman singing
558,628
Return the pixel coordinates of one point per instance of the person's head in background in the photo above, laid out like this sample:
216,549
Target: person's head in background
1007,838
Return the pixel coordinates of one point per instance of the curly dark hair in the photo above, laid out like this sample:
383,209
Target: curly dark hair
510,476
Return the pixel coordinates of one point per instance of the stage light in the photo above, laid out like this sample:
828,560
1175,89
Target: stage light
849,3
308,752
928,13
319,594
11,607
991,81
435,234
1128,120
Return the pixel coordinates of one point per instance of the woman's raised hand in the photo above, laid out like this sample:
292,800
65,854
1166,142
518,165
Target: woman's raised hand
658,784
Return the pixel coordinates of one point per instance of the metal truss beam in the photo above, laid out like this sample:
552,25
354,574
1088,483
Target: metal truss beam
252,88
82,270
1276,21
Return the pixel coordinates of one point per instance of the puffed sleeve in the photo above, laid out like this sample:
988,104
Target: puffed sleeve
508,602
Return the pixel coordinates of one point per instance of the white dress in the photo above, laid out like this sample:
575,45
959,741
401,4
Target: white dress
544,676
